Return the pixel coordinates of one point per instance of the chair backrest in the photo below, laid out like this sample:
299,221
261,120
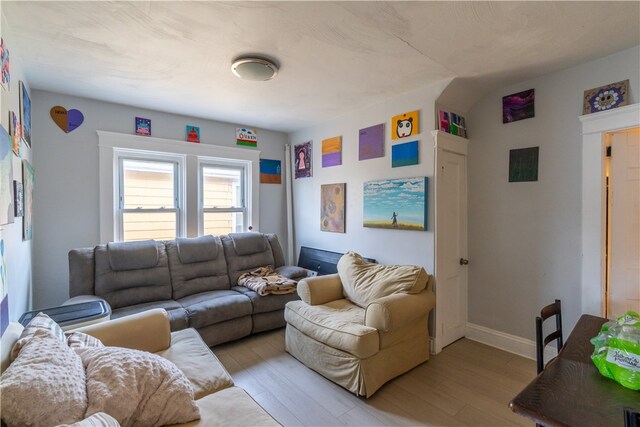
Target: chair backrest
631,418
554,309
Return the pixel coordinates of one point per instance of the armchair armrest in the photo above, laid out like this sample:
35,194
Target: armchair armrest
148,331
320,289
394,311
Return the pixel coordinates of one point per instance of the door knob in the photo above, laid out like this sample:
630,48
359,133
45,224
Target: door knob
464,261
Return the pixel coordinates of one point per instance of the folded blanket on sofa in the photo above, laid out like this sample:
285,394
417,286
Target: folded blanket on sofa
265,281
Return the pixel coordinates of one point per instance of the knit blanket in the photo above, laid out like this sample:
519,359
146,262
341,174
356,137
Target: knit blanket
265,281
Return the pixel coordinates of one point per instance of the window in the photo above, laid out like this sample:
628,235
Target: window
154,188
149,203
222,198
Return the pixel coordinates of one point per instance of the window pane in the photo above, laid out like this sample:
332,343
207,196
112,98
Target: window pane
148,185
149,225
217,223
222,187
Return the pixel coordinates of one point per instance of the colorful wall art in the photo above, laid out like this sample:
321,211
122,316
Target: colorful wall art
27,188
523,164
457,125
6,178
399,203
143,126
5,67
193,134
248,137
15,134
604,98
404,125
405,154
518,106
270,171
25,113
66,120
444,121
332,151
4,288
332,215
302,160
18,200
371,142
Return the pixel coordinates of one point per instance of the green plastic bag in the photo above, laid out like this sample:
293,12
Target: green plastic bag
617,350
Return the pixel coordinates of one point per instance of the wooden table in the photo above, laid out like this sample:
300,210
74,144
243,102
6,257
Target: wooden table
571,392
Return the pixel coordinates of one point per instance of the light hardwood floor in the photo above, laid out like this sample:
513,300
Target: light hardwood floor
468,384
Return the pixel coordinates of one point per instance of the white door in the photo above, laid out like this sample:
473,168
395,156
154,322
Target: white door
624,273
451,243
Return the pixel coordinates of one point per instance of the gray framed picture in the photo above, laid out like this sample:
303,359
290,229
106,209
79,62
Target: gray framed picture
523,164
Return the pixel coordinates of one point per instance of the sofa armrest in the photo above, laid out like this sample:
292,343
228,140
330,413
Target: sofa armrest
394,311
148,331
320,289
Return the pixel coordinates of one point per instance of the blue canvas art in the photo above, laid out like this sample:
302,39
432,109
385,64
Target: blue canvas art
399,203
404,154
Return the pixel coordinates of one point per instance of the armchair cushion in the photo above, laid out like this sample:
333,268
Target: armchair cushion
364,282
339,324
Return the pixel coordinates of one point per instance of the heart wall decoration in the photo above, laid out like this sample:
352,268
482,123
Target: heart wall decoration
66,120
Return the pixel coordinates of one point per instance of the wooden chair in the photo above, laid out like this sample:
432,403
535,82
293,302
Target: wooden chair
631,418
554,309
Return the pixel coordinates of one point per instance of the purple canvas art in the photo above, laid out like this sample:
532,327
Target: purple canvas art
371,142
518,106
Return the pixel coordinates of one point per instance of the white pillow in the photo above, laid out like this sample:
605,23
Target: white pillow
364,282
136,387
41,322
99,419
45,385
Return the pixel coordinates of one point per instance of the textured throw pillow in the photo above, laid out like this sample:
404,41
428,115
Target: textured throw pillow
137,388
364,282
99,419
41,322
45,385
81,340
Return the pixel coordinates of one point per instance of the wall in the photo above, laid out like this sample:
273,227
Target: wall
18,254
525,238
66,194
386,246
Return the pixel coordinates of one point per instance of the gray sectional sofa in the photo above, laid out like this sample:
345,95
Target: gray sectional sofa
193,279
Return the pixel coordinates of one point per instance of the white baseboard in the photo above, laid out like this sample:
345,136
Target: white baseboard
507,342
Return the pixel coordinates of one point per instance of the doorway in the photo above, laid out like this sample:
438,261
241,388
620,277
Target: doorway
622,222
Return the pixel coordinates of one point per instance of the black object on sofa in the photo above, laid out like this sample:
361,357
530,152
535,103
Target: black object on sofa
193,279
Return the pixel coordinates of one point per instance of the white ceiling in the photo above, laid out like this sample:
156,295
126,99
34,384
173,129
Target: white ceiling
334,56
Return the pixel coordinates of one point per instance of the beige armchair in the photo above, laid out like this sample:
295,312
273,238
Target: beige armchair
361,345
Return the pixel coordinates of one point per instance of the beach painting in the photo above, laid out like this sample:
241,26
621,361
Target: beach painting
332,215
399,203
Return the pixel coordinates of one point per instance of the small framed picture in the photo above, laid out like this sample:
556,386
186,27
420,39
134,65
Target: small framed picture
143,126
18,199
606,97
193,134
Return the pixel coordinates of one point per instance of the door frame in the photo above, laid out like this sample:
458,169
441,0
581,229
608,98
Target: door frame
442,142
595,127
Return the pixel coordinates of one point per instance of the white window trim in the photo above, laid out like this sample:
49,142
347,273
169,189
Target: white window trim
246,170
179,179
110,142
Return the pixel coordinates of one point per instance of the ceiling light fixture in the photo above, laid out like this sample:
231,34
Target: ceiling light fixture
254,68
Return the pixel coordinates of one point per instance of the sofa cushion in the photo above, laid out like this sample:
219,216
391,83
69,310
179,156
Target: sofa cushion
124,256
231,407
127,287
338,324
212,307
292,271
192,356
238,264
45,385
264,304
249,243
365,282
78,339
41,322
137,388
276,248
178,318
197,249
193,277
